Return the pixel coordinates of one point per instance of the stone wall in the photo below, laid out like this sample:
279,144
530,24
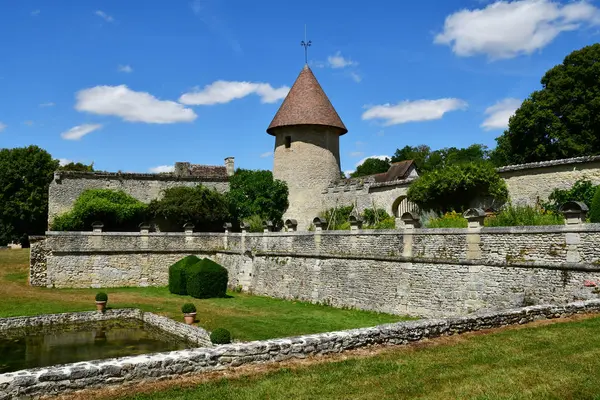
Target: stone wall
118,371
425,272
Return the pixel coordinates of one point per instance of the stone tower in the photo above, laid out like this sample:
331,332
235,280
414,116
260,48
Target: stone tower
307,132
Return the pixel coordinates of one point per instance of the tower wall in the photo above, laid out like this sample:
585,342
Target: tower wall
308,166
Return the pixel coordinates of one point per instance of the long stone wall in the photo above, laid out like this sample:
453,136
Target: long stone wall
425,272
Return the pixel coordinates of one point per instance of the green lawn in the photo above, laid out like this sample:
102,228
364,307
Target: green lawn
560,361
247,317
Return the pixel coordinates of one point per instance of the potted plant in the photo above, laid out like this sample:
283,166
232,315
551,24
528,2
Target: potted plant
101,300
189,313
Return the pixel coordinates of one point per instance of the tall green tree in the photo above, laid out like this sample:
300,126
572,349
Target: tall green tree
562,119
371,166
427,160
77,166
25,174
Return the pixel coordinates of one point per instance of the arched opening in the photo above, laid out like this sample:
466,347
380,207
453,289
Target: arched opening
402,205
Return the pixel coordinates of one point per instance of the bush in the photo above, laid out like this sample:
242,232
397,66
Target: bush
524,216
255,223
188,308
583,190
337,218
448,220
206,279
101,296
220,336
117,210
177,277
595,207
205,208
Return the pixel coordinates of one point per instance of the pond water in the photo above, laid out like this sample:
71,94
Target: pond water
42,347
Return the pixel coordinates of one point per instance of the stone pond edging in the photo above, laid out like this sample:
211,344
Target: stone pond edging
100,373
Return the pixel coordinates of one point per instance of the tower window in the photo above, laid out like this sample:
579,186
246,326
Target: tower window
288,142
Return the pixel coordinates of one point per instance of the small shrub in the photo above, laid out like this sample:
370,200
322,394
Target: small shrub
177,280
220,336
583,190
255,223
372,216
387,223
101,296
206,279
188,308
524,216
238,289
337,218
448,220
595,207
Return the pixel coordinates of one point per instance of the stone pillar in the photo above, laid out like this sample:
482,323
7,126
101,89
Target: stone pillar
319,223
409,221
475,219
574,212
244,227
291,225
230,166
188,228
268,226
97,227
355,223
144,228
227,226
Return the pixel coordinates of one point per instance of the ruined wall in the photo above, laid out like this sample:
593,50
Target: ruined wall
427,272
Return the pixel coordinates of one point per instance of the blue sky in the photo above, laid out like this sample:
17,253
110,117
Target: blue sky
137,85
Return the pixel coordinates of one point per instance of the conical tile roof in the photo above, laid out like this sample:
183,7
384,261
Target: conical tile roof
306,104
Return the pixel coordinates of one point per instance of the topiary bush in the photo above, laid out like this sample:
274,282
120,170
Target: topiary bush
595,208
188,308
177,281
206,279
101,296
220,336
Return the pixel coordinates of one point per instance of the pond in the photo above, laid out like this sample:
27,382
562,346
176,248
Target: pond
41,347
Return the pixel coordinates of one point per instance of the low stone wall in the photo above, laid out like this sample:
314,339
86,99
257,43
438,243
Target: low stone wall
95,374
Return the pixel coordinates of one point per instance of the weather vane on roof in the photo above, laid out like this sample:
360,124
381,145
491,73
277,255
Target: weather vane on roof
306,45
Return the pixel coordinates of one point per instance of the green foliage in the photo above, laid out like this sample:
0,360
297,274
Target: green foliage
583,190
562,119
117,210
450,219
101,296
220,336
456,187
337,217
427,160
371,166
206,208
25,174
524,216
595,207
188,308
255,223
72,166
257,193
177,274
377,219
206,279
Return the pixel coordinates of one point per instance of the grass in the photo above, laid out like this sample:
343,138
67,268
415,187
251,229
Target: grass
247,317
557,361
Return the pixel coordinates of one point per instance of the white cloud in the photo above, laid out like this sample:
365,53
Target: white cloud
508,29
338,61
221,92
132,106
355,77
79,131
35,13
412,111
357,154
499,113
104,16
2,126
49,104
266,154
162,168
64,161
125,68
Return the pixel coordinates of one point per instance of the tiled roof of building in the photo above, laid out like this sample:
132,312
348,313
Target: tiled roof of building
398,170
306,104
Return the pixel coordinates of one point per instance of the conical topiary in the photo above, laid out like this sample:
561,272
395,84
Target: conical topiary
595,206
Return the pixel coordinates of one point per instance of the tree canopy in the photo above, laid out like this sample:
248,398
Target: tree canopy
77,166
562,119
427,160
371,166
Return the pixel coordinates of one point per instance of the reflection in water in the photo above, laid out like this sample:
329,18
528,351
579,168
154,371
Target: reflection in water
40,347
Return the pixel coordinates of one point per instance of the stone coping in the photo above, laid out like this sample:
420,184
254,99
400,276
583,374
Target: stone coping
169,176
102,373
551,163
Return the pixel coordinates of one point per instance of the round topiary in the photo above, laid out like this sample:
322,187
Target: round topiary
220,336
188,308
101,297
177,284
595,207
206,279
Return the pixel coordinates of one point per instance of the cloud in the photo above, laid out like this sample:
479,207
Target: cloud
35,13
355,77
338,61
2,126
499,113
132,106
50,104
357,154
412,111
508,29
64,161
221,92
162,168
125,68
266,154
79,131
104,16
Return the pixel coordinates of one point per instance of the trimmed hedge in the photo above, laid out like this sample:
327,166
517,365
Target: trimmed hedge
206,279
177,274
220,336
595,207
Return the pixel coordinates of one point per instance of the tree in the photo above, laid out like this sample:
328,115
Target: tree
72,166
595,208
25,174
257,193
371,166
562,119
419,154
583,190
458,187
427,160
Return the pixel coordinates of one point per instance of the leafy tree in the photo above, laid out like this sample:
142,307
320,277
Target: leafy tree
257,193
371,166
595,208
419,154
72,166
427,160
205,208
117,210
25,174
583,190
562,119
457,187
